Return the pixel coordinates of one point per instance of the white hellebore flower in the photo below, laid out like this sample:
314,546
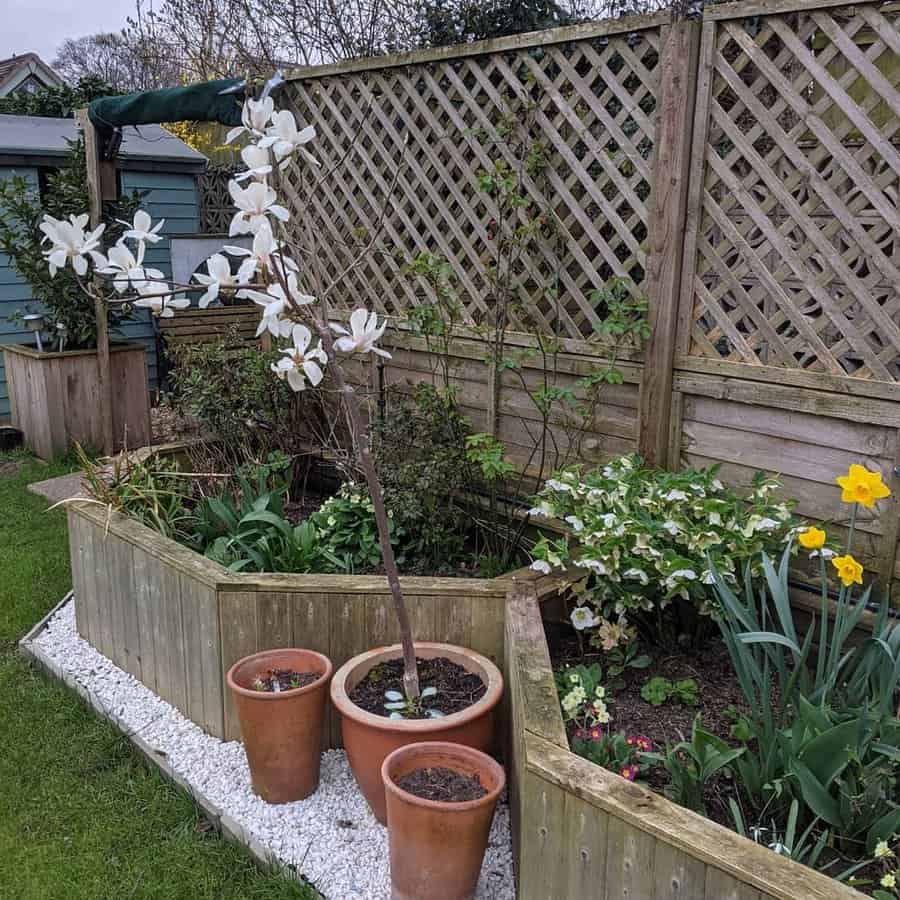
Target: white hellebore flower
69,242
275,304
364,331
141,230
219,278
125,267
254,118
284,138
541,565
256,159
300,362
261,258
582,618
254,203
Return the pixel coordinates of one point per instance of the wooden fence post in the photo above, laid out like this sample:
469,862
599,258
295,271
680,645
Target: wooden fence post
889,515
97,178
667,214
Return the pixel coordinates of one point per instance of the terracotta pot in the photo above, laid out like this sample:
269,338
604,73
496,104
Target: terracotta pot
437,848
282,732
369,738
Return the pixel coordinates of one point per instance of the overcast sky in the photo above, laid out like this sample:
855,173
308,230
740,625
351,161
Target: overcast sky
42,25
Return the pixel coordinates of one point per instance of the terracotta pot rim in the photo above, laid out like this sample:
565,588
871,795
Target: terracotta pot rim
477,757
267,696
346,707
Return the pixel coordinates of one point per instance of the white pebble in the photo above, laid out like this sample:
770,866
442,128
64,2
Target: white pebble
343,863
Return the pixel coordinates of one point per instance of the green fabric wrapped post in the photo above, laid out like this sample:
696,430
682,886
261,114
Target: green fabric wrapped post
192,103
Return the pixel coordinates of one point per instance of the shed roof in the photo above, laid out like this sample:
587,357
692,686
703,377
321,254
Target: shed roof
36,140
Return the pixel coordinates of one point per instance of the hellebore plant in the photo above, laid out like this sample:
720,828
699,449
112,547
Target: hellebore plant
270,278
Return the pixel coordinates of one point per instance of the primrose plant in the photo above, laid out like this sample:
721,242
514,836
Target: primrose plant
293,298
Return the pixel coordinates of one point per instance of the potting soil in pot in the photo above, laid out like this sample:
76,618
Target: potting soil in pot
442,785
455,688
277,680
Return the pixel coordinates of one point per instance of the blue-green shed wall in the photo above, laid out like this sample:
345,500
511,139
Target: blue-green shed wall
172,196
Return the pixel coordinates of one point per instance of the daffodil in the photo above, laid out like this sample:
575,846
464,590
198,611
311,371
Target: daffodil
301,362
848,569
69,242
364,331
812,539
254,203
861,486
142,228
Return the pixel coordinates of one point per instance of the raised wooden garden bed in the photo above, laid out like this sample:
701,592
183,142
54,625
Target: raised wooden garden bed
177,621
582,831
55,397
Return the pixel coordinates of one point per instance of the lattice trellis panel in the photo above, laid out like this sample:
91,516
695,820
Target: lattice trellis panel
216,205
409,143
798,261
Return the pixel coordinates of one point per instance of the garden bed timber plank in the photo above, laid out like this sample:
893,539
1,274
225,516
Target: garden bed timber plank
192,618
577,824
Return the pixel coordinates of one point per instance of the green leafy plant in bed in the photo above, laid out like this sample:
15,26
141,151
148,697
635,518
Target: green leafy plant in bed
824,735
649,541
658,690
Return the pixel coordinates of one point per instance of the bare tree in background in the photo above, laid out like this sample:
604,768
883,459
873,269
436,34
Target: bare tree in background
116,60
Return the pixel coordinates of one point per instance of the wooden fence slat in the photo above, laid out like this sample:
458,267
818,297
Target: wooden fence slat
667,220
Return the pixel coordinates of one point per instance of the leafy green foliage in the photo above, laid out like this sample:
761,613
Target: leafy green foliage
20,238
691,764
420,453
59,102
346,523
614,751
649,540
658,690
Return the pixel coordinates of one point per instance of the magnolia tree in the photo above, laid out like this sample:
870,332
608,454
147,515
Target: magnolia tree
273,275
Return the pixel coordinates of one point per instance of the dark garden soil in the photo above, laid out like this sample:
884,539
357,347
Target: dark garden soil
721,701
277,680
457,688
442,785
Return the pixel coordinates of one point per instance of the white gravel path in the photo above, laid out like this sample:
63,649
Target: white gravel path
331,837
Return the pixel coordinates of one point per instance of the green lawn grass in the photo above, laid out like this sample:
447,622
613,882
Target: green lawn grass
81,814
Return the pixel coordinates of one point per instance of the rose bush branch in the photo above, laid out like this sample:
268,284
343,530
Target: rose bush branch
271,278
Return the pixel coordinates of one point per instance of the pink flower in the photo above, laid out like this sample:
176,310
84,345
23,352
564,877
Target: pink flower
581,734
642,744
596,733
630,772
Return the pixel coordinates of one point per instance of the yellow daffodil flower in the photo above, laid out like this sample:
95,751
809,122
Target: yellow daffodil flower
812,539
861,486
848,569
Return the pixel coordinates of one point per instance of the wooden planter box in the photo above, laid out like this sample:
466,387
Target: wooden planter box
54,397
177,621
582,831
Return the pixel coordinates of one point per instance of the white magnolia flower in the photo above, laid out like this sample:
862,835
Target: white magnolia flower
825,553
284,138
219,278
364,331
254,203
541,565
583,617
262,257
301,362
162,307
69,242
275,304
143,229
254,118
126,267
256,159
